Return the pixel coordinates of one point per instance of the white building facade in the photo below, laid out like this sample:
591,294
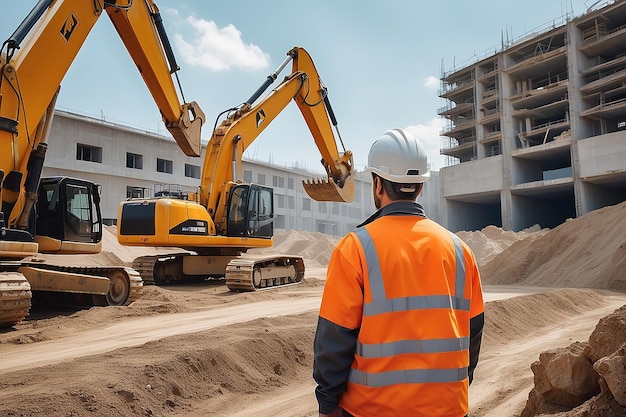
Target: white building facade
128,162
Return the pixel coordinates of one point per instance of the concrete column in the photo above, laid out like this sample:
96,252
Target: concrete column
509,140
574,60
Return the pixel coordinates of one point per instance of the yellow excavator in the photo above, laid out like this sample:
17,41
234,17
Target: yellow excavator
62,215
227,216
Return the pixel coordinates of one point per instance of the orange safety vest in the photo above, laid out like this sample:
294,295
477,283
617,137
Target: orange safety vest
419,288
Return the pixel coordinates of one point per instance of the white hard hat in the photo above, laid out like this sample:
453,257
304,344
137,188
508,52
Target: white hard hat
399,157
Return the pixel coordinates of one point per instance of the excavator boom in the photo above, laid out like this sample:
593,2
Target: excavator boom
141,29
235,134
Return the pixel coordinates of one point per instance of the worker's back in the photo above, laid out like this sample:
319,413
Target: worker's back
412,349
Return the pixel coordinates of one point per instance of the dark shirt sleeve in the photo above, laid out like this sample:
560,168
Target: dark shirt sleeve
476,334
333,349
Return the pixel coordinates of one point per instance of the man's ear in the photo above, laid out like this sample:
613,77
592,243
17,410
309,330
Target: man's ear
377,183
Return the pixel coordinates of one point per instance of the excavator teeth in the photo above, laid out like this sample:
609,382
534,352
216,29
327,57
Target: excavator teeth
326,190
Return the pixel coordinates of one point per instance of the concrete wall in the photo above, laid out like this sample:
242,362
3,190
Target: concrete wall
473,177
602,155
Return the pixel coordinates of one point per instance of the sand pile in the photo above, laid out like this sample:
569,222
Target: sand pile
586,378
588,252
491,240
314,247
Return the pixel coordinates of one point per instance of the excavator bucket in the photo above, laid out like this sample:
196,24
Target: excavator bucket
327,190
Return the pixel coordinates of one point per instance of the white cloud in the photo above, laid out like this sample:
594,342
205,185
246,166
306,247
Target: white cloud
429,135
218,49
431,82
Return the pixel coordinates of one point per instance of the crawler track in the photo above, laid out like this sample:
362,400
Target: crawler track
16,294
126,283
145,266
15,297
253,273
243,273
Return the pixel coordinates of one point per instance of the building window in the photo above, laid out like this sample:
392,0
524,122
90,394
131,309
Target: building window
290,183
192,171
134,160
354,212
278,181
291,201
261,179
306,204
134,192
165,165
279,223
280,201
247,176
88,153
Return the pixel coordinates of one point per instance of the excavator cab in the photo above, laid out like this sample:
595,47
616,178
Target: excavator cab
251,211
68,212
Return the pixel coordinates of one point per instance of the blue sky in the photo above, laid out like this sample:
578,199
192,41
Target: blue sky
381,62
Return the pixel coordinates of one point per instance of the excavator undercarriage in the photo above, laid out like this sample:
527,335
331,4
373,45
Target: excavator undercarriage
62,286
243,272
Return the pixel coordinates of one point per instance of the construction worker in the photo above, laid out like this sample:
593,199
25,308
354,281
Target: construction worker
402,312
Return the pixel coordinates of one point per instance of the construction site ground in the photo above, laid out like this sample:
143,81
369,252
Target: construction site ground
200,350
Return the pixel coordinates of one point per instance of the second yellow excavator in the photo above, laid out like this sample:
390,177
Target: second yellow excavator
228,216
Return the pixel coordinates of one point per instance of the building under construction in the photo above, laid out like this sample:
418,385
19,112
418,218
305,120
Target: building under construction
536,132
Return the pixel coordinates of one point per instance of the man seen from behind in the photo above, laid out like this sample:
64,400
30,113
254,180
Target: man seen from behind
402,313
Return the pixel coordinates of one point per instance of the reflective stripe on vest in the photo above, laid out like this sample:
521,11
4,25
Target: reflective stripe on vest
410,376
381,304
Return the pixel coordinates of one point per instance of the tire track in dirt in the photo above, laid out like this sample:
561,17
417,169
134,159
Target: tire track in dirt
139,331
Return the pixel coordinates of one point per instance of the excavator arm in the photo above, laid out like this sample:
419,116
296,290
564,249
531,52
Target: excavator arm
234,135
141,29
34,61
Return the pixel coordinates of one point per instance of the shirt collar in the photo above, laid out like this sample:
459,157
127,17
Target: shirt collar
410,208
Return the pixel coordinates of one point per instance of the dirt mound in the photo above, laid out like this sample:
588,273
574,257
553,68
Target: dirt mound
175,377
518,317
587,252
215,372
127,254
491,240
314,247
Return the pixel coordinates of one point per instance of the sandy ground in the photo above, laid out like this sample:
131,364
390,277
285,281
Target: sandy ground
200,350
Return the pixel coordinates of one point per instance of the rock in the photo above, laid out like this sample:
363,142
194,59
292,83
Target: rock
556,373
608,335
565,376
613,369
